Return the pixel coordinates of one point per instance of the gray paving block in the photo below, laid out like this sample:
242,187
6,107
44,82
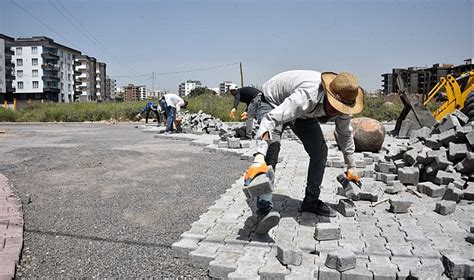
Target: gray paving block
410,156
399,205
447,136
184,246
468,193
359,273
400,250
409,175
426,272
327,231
385,167
341,260
439,163
445,207
422,156
453,193
457,267
204,254
421,134
470,238
387,177
448,122
289,253
467,164
233,143
457,152
223,264
470,138
273,270
463,119
433,142
346,207
328,273
368,196
431,189
395,188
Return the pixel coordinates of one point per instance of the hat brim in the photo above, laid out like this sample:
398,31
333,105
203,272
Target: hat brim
357,107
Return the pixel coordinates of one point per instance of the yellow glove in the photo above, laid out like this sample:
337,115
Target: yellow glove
352,175
244,116
232,113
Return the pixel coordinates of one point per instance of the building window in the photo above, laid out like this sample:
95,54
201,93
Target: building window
19,62
35,84
20,85
68,77
69,87
18,51
34,61
34,50
34,73
19,73
61,53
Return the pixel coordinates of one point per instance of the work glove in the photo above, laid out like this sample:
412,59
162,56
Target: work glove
232,113
244,116
258,160
138,116
352,175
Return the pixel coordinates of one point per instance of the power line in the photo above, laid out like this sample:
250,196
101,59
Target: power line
40,21
178,72
85,34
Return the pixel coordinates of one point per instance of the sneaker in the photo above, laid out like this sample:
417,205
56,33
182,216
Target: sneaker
318,207
167,133
266,222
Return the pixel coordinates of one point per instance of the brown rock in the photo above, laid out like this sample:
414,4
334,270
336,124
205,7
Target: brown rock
369,134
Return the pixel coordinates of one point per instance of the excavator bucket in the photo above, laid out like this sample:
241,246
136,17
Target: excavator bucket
414,115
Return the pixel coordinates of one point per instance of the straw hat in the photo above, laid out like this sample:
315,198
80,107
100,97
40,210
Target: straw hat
343,92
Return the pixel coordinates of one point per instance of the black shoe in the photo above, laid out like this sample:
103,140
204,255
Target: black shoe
246,138
318,207
266,222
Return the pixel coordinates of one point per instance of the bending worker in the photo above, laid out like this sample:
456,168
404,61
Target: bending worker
171,103
251,97
151,107
302,100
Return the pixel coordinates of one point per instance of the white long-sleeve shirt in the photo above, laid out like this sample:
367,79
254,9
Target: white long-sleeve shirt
174,101
296,94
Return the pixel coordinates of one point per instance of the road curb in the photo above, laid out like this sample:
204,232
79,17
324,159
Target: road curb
11,229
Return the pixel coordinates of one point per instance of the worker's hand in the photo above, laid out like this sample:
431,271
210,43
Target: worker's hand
232,113
258,160
138,116
243,116
352,175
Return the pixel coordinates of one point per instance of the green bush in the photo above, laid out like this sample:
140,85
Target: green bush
7,115
377,108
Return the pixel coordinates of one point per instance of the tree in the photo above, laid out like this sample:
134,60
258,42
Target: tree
200,91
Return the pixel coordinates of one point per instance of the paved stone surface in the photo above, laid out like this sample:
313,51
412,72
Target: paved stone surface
11,229
385,244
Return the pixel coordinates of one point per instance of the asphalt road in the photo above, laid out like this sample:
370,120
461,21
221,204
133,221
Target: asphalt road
108,200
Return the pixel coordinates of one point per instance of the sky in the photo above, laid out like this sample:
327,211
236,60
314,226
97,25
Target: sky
137,38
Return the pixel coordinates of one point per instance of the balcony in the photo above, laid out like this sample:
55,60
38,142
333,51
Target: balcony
9,77
9,51
81,67
82,76
50,78
82,85
50,54
51,87
50,67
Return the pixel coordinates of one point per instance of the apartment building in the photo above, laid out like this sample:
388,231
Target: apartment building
6,69
100,84
421,80
110,87
143,92
44,70
131,93
86,79
186,87
226,86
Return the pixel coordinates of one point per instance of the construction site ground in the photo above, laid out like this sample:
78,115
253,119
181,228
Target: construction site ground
123,201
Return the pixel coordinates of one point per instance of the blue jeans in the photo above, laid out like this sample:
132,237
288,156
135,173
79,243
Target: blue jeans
310,133
170,114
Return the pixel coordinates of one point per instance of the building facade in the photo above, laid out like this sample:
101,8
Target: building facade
44,70
86,79
131,93
6,69
186,87
225,86
143,92
100,84
110,87
421,80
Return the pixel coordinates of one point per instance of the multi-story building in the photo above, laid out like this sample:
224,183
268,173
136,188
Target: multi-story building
110,87
100,81
131,93
143,92
421,80
44,70
186,87
86,78
226,86
6,69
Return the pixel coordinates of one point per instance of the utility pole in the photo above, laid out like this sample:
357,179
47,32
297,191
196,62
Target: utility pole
241,76
153,82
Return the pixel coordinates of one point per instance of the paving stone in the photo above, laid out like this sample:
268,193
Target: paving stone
346,207
273,270
422,156
431,189
448,122
421,134
457,152
410,156
399,205
360,272
426,272
439,163
205,253
387,177
470,238
328,273
453,193
289,253
327,231
467,164
468,193
409,175
325,247
395,188
433,142
184,246
233,143
223,264
383,272
445,207
341,260
400,249
447,136
385,167
457,267
470,138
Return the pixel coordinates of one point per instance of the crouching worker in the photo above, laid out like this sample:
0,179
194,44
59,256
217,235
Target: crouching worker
171,104
251,97
303,99
151,107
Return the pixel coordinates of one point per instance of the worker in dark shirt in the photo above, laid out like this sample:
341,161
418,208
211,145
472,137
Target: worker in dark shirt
151,107
252,97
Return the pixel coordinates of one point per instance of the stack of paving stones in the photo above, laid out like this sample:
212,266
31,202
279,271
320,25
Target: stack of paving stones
202,123
11,229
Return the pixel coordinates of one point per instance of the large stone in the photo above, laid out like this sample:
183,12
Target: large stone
398,205
445,207
327,231
341,260
369,134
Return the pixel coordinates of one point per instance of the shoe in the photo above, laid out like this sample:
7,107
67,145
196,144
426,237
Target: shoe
318,207
167,133
266,222
246,138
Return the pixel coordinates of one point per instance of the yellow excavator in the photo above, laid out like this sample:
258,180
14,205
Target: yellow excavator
456,92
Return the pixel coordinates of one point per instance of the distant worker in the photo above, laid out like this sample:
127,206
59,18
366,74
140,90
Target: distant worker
171,104
252,97
151,107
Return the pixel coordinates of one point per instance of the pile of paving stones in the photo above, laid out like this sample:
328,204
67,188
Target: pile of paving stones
202,123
